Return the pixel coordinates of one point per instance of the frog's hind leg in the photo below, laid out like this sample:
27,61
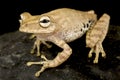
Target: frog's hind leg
96,35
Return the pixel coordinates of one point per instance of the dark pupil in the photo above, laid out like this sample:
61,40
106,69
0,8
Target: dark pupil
45,21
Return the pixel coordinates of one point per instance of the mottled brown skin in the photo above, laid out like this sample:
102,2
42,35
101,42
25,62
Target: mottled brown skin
61,26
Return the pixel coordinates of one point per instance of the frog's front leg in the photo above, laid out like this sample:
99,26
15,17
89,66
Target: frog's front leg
59,59
36,45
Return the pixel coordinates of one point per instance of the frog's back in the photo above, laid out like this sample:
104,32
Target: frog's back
72,23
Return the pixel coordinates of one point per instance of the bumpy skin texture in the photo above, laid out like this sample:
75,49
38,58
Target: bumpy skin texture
61,26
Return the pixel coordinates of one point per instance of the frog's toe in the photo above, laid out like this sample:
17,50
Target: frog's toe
49,46
29,63
43,57
32,51
103,55
37,74
95,61
38,54
89,55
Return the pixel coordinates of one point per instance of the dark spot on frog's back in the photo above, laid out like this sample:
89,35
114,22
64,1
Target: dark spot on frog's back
81,29
84,25
26,24
89,21
87,25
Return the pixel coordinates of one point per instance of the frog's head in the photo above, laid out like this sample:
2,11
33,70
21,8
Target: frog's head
36,24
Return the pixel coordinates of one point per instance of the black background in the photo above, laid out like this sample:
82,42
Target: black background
10,10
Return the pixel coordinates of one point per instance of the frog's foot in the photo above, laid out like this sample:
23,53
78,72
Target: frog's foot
96,55
46,64
98,49
37,74
42,56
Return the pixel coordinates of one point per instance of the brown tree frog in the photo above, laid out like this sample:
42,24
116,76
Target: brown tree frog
64,25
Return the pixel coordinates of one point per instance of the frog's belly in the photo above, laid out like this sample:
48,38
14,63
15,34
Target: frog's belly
73,35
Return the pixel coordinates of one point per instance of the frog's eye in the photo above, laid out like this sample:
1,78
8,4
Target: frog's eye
44,21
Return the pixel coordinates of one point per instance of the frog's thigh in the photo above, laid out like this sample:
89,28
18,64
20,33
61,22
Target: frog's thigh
98,31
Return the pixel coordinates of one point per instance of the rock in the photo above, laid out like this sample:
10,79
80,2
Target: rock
15,53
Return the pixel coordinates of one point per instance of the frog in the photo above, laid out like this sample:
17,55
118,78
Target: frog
61,26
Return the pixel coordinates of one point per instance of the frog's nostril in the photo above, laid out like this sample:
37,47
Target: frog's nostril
26,25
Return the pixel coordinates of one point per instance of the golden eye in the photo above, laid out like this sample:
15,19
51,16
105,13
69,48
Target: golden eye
45,21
